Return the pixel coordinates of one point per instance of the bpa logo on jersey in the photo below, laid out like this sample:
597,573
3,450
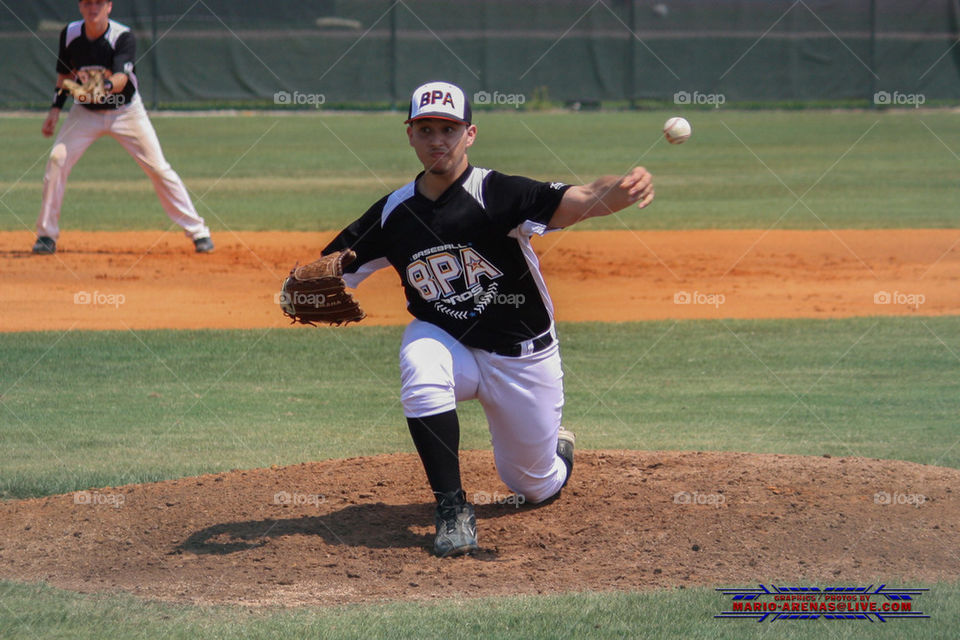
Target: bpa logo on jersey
436,275
450,275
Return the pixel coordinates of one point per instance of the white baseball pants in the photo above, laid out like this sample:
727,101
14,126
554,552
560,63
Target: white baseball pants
131,127
522,398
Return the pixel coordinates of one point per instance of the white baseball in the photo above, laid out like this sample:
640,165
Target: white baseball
677,130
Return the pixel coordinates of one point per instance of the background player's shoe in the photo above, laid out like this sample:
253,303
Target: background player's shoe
203,245
565,442
456,525
45,245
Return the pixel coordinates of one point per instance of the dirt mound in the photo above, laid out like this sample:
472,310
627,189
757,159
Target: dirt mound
360,530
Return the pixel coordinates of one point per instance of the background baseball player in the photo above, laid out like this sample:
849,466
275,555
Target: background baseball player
459,237
98,43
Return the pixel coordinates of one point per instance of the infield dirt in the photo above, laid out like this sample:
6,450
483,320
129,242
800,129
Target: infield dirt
153,280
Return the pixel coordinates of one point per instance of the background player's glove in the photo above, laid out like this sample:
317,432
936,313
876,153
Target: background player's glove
316,292
90,89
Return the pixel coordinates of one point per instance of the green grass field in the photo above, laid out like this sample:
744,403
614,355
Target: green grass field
316,171
164,404
88,409
41,612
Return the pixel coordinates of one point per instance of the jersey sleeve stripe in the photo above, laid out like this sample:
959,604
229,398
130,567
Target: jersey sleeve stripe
474,185
115,31
395,199
533,263
74,29
354,279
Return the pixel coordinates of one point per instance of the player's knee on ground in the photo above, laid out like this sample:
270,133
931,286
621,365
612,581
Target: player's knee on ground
534,485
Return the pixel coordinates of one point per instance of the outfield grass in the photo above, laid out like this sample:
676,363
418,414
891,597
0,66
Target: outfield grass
742,169
103,408
32,611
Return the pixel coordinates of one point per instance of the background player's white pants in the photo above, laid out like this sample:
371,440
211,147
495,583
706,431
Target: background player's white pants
522,398
132,128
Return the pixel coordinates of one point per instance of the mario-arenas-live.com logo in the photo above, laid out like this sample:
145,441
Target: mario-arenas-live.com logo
858,604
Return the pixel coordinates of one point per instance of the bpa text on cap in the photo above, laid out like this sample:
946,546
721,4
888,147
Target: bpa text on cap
431,97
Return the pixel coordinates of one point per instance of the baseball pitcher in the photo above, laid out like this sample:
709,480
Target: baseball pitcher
482,328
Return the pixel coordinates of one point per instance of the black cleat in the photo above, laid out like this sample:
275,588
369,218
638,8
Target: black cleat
203,245
45,245
456,525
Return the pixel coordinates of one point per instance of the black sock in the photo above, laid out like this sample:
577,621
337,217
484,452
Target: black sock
437,439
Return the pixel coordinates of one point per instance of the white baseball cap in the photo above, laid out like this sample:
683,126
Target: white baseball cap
439,100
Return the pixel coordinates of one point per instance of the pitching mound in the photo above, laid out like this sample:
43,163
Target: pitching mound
360,530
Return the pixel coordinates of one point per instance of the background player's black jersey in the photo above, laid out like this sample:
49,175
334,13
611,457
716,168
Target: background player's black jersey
465,260
114,50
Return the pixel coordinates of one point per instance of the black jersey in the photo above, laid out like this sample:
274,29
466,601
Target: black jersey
465,260
115,51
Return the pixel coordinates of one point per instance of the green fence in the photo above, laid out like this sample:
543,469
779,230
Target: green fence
373,52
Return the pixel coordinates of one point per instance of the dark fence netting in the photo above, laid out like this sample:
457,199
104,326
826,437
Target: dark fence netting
373,52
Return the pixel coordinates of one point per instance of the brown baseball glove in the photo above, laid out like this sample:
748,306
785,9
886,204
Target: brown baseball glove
316,292
90,89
